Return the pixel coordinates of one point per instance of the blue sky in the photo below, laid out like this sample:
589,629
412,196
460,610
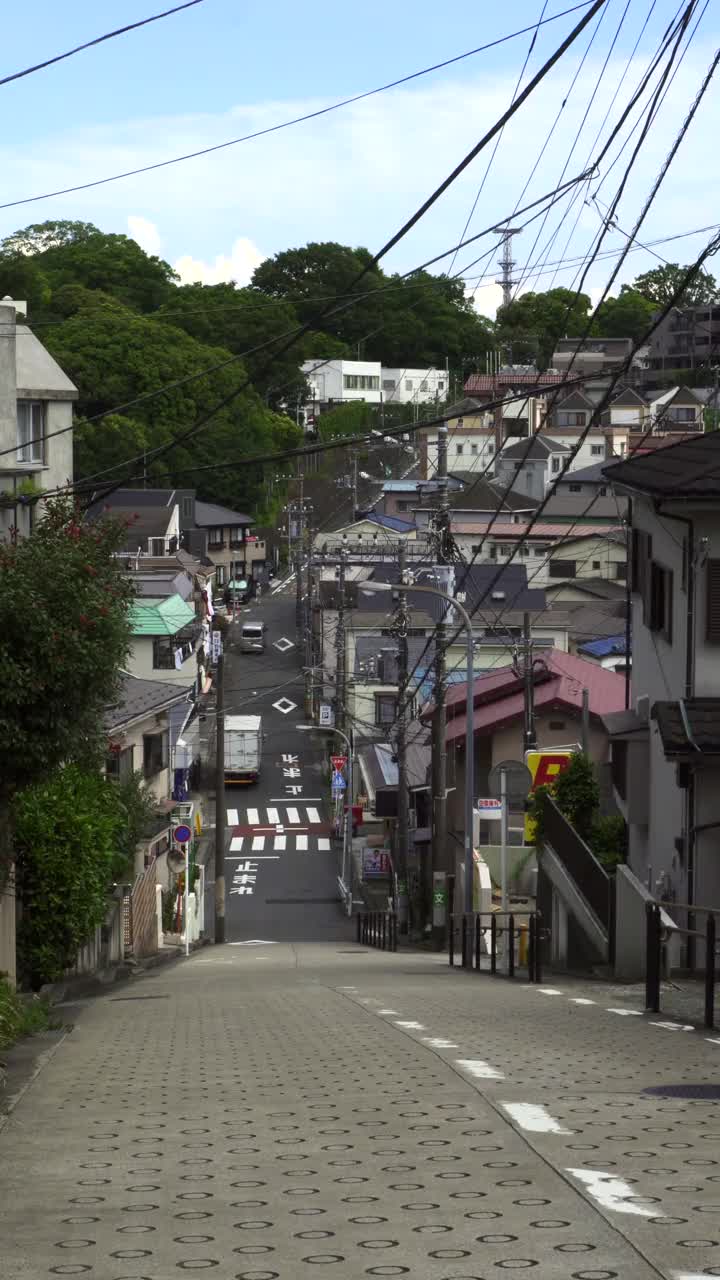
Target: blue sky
226,67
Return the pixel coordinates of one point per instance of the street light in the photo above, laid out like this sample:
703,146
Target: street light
347,828
372,587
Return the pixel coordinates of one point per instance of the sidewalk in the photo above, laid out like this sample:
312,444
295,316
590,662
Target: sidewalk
265,1111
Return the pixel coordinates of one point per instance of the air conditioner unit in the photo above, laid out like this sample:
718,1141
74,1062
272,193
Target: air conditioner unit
642,707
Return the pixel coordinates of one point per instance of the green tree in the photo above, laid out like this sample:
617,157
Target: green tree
64,633
22,279
659,285
629,315
69,832
40,236
532,324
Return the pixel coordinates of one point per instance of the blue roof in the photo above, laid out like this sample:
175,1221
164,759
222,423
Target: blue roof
391,522
603,648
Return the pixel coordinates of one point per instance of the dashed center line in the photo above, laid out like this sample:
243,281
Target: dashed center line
478,1069
612,1193
534,1118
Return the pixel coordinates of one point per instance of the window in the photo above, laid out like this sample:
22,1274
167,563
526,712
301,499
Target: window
641,557
441,386
505,551
215,538
361,382
681,414
30,431
541,551
556,465
567,419
385,708
473,448
459,449
603,490
597,450
220,576
424,385
157,546
165,649
562,569
524,549
388,384
557,725
490,446
621,571
493,551
712,620
402,506
120,764
186,508
155,753
408,384
661,600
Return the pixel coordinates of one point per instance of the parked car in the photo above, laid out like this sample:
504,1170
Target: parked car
252,637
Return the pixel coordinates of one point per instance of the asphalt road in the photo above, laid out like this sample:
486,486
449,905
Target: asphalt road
282,861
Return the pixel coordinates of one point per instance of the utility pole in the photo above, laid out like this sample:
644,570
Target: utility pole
220,815
341,648
309,637
403,799
506,263
529,735
300,532
439,845
354,483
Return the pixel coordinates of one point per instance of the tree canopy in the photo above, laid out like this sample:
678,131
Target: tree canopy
659,285
532,324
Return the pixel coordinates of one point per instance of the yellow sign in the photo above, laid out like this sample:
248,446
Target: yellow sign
544,767
198,824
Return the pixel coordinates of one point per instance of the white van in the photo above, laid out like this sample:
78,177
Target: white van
252,637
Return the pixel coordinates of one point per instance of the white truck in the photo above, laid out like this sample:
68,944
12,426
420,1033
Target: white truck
243,749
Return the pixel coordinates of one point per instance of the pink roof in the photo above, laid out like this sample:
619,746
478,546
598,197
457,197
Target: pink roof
488,381
518,530
498,697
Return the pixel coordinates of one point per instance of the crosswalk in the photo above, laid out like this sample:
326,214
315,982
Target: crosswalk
287,815
276,829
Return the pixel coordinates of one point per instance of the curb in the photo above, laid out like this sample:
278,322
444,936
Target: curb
96,984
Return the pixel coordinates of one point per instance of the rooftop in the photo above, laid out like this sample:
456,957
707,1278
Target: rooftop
695,733
604,648
539,530
686,469
499,701
210,515
160,617
139,698
536,447
36,372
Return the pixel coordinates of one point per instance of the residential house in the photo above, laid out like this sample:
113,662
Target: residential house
471,440
400,497
169,641
559,680
369,536
523,380
232,547
530,466
414,386
590,481
36,419
548,551
666,747
590,357
334,382
687,338
610,653
678,409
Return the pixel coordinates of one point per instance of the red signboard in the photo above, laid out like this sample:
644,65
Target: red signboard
338,762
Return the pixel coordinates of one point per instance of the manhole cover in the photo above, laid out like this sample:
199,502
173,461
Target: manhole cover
708,1091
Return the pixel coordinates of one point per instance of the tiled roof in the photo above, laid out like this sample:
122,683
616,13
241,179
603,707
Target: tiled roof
208,515
141,697
688,468
537,447
499,698
576,400
491,381
390,522
703,722
519,530
605,647
160,617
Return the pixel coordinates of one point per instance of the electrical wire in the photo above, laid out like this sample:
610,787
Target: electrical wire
286,124
89,44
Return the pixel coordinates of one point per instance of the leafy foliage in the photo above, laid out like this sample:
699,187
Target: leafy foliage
20,1017
69,845
576,793
659,285
64,632
629,315
532,324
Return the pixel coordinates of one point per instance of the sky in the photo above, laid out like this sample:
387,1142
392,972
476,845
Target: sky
229,67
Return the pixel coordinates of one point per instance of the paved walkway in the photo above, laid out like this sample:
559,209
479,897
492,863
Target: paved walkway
266,1112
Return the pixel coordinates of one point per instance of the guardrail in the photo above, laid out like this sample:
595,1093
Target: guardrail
656,937
498,942
378,929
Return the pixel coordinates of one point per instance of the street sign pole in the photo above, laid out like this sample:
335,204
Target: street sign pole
187,898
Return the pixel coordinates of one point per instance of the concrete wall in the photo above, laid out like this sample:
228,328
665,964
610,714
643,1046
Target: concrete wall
140,663
586,552
7,928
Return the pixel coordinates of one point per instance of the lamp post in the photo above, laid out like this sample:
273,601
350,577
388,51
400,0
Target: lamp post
469,727
347,828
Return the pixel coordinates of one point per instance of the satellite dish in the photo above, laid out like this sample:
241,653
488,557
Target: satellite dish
176,859
518,780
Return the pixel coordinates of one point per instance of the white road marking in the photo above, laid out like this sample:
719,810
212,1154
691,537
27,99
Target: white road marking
253,817
323,845
478,1069
549,991
711,1041
613,1193
232,817
236,844
673,1026
263,857
254,942
313,815
273,816
580,1000
258,843
411,1026
388,1012
293,817
279,843
438,1043
301,843
534,1118
284,705
626,1013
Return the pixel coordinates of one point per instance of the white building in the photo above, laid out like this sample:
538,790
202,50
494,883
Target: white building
334,382
666,748
36,416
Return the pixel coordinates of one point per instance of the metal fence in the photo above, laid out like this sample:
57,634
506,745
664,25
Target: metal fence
498,943
657,936
378,929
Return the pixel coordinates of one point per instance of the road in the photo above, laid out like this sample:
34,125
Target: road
282,862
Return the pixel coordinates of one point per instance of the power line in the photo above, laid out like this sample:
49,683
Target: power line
89,44
285,124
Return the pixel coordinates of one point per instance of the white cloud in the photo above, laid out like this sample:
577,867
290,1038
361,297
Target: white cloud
145,233
238,266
